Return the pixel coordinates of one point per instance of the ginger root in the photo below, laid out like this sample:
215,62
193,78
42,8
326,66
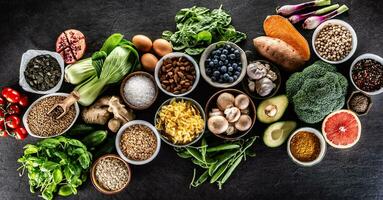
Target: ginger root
108,109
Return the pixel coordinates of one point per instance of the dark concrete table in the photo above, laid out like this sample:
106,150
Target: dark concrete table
356,173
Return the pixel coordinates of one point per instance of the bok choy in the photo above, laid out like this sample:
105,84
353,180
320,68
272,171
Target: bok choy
113,62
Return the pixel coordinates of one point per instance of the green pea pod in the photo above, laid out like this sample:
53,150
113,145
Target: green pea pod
220,160
201,179
231,169
184,154
203,149
195,154
219,173
223,147
95,138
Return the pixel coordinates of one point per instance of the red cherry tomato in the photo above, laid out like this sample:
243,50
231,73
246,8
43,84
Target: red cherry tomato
13,109
3,132
20,133
12,121
23,101
11,95
2,102
2,118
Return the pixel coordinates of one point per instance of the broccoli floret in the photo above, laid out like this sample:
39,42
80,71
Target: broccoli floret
316,91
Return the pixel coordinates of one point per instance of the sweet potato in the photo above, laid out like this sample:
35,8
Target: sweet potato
279,27
278,52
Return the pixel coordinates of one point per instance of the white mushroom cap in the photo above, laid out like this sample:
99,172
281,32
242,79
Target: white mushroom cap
242,101
244,123
217,124
225,100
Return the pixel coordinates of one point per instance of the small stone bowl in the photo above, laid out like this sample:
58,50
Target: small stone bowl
94,179
336,22
201,112
277,82
359,93
177,55
205,55
122,90
212,103
322,152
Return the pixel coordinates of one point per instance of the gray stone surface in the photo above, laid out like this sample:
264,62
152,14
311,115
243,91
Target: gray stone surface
356,173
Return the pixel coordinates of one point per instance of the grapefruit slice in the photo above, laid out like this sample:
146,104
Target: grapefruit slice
342,129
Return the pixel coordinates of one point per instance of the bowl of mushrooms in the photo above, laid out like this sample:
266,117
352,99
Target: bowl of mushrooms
262,80
230,114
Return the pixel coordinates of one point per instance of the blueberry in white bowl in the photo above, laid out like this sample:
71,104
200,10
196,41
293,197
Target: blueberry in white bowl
222,64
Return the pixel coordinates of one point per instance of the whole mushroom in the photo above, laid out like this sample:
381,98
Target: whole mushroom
244,123
232,114
217,124
242,101
264,86
225,100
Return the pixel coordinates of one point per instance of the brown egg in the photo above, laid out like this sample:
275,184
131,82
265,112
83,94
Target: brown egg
142,42
149,62
162,47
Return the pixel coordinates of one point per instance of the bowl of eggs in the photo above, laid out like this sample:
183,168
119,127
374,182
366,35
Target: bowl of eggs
151,51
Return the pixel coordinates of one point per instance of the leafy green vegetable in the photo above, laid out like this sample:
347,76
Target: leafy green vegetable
197,27
316,91
56,162
109,65
218,161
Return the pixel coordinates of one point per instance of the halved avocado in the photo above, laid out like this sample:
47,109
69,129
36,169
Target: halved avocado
277,133
271,110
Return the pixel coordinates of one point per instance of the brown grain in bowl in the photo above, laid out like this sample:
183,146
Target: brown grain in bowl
45,125
138,142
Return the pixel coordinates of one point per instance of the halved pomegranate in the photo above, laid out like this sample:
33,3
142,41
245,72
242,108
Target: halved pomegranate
71,45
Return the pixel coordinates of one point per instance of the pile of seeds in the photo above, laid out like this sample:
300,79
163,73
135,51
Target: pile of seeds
140,91
368,75
334,42
42,124
177,75
138,142
42,73
111,173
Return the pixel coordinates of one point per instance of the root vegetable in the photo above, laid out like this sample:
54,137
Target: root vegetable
276,26
114,124
279,52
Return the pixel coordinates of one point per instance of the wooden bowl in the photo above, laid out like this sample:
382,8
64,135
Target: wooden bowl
122,92
277,82
211,103
94,180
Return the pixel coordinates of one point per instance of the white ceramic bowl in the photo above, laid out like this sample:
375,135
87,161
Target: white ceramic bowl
43,97
202,113
27,56
337,22
121,131
322,152
172,55
205,55
361,57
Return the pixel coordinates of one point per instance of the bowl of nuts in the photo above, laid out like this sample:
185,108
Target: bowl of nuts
223,64
334,41
177,74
